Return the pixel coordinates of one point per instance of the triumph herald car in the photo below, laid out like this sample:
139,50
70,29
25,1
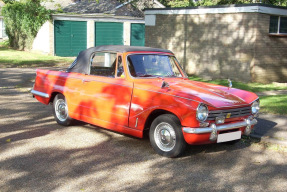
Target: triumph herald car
142,90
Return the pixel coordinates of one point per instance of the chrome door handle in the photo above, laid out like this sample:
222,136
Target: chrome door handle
85,81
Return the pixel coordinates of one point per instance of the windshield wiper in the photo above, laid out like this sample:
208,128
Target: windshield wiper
171,76
147,75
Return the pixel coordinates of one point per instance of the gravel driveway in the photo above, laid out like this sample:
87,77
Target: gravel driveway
36,154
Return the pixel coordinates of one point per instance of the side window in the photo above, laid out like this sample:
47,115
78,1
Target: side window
278,25
120,69
104,64
273,26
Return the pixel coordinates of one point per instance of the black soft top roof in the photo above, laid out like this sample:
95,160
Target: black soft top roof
83,60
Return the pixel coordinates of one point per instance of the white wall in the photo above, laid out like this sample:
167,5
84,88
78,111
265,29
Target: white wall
127,33
1,28
42,41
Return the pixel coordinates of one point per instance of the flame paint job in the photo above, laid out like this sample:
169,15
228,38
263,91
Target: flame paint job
118,103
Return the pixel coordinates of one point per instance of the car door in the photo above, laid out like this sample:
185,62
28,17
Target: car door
105,92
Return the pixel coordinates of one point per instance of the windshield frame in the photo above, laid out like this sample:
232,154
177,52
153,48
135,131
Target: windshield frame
180,69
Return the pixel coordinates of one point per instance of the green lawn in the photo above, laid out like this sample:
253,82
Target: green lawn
13,58
276,104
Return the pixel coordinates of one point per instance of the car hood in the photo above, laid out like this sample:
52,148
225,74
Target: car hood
214,95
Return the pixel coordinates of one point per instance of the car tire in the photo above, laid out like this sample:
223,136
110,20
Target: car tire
60,110
166,136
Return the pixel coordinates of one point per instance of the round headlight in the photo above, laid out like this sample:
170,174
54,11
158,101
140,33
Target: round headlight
201,112
255,107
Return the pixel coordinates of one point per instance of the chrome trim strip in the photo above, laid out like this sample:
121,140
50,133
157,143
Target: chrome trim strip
136,123
246,122
41,94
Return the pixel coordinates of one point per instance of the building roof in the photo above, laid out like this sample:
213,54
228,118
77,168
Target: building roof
236,8
86,6
55,4
103,6
133,8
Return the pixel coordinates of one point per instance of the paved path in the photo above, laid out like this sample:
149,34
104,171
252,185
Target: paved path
271,128
36,154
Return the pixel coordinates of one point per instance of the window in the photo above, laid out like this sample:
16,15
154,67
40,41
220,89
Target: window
104,64
153,66
120,69
278,25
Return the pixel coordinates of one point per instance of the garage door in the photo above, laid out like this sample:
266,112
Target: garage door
70,37
109,33
137,34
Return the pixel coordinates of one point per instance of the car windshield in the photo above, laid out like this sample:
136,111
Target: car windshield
151,65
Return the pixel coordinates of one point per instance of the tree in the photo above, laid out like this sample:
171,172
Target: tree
177,3
8,1
23,20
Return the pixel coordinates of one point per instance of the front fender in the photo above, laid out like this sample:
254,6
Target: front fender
142,107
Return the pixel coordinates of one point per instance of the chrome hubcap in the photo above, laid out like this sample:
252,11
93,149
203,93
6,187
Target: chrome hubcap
164,136
61,110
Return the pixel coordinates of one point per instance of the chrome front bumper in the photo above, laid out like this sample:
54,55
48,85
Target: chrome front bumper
41,94
213,127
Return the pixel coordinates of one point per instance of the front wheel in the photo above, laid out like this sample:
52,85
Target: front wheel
166,136
60,111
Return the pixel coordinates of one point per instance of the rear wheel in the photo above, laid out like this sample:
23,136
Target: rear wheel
60,110
166,136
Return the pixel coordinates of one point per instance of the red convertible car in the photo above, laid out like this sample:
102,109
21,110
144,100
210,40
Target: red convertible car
138,90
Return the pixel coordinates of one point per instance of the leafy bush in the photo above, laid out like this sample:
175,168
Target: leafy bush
4,44
23,21
180,3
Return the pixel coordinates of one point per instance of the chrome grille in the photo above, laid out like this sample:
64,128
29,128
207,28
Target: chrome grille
239,112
